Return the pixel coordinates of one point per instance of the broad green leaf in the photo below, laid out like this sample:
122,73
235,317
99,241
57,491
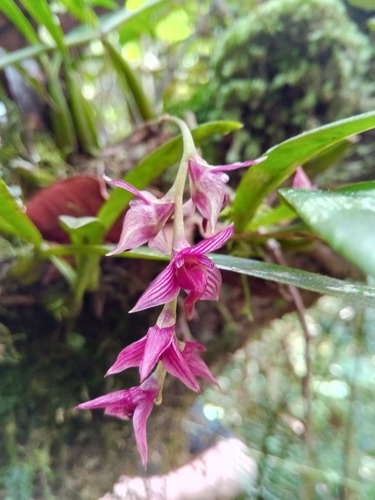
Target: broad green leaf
14,221
82,229
154,165
283,159
17,17
346,220
120,17
140,21
352,291
349,290
358,186
40,11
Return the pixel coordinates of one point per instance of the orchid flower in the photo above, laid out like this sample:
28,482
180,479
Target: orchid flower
133,404
161,344
190,270
207,186
302,181
144,220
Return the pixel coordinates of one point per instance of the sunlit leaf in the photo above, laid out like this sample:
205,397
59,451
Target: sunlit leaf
346,220
14,221
283,159
81,10
82,112
154,165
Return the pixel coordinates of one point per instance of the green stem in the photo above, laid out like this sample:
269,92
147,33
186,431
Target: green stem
177,190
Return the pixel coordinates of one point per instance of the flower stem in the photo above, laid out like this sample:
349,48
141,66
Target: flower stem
177,190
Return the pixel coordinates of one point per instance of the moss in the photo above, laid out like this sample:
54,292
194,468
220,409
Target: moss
286,67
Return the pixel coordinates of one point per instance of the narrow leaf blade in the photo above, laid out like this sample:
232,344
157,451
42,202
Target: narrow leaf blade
14,221
283,159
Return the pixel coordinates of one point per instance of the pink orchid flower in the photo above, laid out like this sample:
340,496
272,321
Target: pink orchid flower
144,220
160,344
207,187
190,270
301,180
133,404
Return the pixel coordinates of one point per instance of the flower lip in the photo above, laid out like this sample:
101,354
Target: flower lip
177,275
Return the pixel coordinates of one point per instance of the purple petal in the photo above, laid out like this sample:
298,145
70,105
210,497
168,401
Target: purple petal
117,398
213,285
235,166
125,185
175,364
162,290
188,208
138,228
159,242
190,346
130,356
199,368
209,197
141,414
119,411
212,243
158,340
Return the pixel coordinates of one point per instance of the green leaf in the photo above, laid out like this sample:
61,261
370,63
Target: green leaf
17,17
40,11
283,159
352,291
82,229
14,221
345,219
133,23
84,34
274,216
82,111
154,165
327,158
148,21
81,10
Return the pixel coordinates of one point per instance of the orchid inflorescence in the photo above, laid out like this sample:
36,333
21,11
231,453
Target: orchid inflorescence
189,269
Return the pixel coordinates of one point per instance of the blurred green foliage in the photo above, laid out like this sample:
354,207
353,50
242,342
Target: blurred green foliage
285,67
262,399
